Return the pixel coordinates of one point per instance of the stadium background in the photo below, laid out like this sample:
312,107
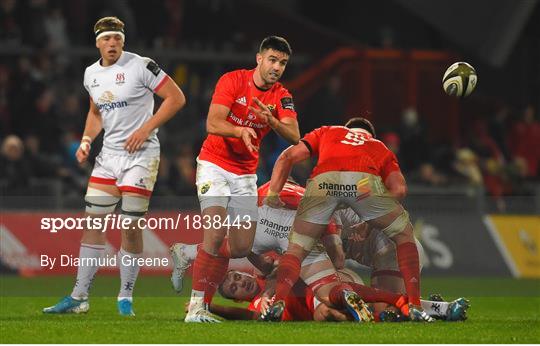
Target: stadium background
472,165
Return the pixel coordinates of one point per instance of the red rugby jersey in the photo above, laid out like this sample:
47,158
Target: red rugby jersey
299,305
353,150
236,90
290,195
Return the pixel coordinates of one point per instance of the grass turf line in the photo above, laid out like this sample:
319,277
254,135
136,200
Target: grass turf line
493,317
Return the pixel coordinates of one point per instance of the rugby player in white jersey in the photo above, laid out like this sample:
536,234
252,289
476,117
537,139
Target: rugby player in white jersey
318,272
374,249
121,86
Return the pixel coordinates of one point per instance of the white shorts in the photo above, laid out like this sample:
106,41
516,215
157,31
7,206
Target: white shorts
217,187
136,174
273,228
363,192
314,277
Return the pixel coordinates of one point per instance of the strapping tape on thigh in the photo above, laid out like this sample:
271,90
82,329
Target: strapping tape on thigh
306,242
398,225
99,202
134,207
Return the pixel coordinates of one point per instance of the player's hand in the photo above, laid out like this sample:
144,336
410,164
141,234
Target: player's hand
360,232
136,140
273,201
264,113
247,134
266,302
83,151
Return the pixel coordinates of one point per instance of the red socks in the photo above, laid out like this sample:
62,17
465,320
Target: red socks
409,265
373,295
287,275
223,250
336,295
208,272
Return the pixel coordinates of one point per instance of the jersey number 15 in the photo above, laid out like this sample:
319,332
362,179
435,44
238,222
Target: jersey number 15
352,138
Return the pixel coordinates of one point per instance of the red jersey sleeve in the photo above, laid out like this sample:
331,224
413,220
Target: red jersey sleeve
225,91
285,105
290,195
332,228
389,165
255,304
262,192
313,139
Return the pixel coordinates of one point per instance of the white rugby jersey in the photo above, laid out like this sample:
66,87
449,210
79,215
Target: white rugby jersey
124,95
273,228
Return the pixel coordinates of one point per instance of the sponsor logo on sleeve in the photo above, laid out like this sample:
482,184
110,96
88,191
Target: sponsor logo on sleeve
287,103
153,67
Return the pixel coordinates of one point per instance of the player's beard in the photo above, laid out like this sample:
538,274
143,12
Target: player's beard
270,78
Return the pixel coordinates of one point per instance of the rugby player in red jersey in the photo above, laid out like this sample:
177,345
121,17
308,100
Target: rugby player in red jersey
355,170
302,304
246,105
317,272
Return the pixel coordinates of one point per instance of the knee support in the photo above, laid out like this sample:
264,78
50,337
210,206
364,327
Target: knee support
99,202
134,207
398,225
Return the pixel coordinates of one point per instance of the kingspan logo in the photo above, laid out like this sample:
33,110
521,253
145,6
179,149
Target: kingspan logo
107,102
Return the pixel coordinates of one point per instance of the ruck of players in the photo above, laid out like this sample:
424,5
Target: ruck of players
297,238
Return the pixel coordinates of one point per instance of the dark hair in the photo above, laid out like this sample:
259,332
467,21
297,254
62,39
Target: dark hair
220,286
361,123
276,43
108,24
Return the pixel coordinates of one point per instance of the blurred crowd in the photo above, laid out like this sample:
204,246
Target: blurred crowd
497,152
43,105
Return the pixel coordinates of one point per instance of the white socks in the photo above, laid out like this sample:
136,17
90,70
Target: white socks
435,309
197,300
89,257
190,250
128,273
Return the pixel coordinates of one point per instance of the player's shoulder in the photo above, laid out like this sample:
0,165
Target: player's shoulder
93,67
280,89
144,62
331,129
130,58
240,74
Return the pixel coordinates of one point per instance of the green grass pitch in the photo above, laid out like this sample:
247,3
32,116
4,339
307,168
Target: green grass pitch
503,311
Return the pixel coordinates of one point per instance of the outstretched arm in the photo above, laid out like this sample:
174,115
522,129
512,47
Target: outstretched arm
284,164
286,127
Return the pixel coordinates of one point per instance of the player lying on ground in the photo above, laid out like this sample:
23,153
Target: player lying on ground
372,248
121,87
355,170
302,304
246,105
318,268
272,235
